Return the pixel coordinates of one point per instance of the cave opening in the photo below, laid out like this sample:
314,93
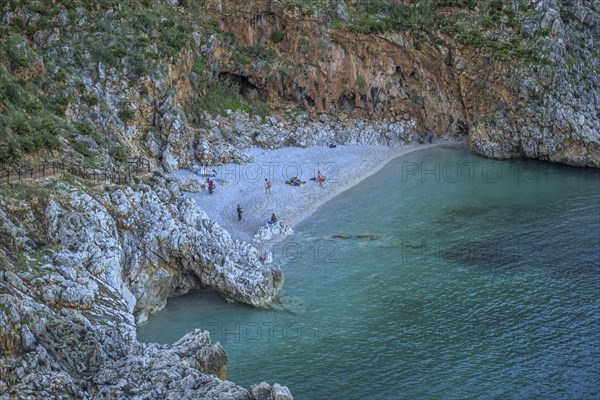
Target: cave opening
347,102
246,88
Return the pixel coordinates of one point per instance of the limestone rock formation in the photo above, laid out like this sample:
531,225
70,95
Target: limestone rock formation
159,242
80,266
243,132
507,108
554,111
192,185
270,231
92,264
69,352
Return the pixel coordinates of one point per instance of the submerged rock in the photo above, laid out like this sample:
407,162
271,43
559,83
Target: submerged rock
292,305
364,237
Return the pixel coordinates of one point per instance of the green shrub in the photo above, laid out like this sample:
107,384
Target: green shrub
223,96
140,65
276,37
241,58
10,90
90,99
19,53
9,152
200,67
250,54
119,51
58,105
50,141
84,128
212,26
82,149
118,153
172,39
126,113
361,83
103,54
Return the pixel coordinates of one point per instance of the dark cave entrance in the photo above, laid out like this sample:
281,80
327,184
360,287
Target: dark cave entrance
246,88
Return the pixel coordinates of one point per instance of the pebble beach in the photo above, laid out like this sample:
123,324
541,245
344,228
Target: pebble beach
244,184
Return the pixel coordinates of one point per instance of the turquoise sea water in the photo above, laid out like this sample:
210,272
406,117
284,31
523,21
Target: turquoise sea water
444,276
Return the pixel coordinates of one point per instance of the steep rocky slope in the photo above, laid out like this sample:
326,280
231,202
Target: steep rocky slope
184,82
525,87
100,81
89,264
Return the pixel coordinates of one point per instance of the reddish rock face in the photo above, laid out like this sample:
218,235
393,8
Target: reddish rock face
342,72
298,61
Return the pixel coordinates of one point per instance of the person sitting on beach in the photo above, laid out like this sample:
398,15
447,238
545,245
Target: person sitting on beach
273,219
294,181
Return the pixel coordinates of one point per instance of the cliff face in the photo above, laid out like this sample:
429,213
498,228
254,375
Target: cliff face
518,78
97,82
554,114
90,265
508,108
349,75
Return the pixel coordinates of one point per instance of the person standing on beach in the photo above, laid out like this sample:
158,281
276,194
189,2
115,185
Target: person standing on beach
240,212
267,185
320,178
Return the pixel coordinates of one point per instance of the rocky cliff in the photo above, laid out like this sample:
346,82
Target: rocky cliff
97,81
89,265
522,88
184,82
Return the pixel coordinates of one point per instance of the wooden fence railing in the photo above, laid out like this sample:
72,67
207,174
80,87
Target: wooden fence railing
119,176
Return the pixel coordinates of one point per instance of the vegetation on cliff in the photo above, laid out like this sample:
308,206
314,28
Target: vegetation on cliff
495,25
52,56
100,81
88,78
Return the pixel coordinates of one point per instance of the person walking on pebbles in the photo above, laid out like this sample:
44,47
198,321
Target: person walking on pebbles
321,179
267,185
240,211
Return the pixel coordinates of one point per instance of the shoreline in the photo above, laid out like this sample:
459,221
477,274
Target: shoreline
331,194
344,167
